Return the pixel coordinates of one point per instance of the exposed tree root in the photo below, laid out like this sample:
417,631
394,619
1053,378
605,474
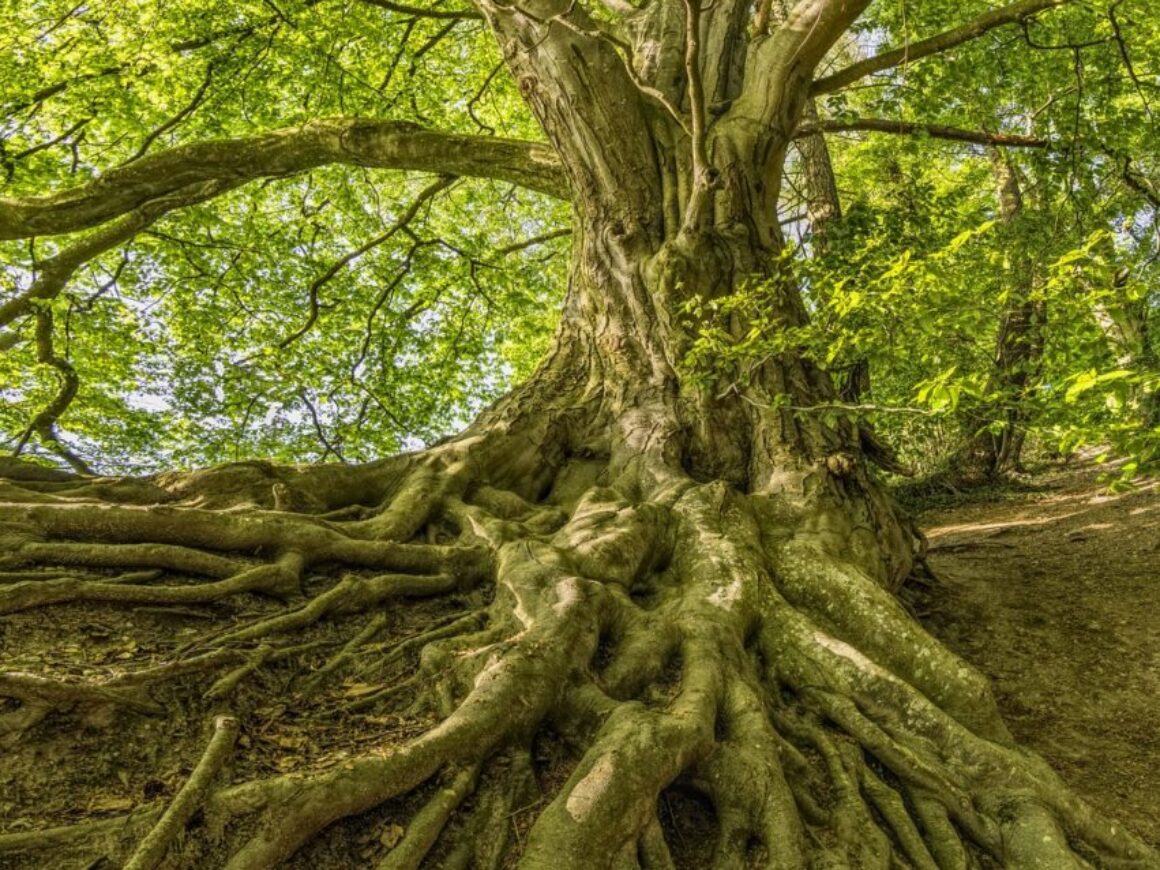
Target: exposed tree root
279,580
152,849
665,632
427,824
39,696
166,557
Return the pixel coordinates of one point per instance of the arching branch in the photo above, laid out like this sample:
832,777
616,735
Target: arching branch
352,141
937,131
1011,14
813,26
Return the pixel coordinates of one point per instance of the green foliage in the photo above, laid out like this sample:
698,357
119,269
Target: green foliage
287,319
177,336
916,276
913,282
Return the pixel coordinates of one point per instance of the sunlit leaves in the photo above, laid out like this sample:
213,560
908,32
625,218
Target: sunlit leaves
179,336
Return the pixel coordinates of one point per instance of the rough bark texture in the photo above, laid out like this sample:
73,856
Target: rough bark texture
689,591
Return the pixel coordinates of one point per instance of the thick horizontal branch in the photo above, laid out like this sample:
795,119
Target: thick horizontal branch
379,144
937,131
1011,14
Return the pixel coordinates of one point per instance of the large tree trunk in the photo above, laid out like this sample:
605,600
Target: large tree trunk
688,592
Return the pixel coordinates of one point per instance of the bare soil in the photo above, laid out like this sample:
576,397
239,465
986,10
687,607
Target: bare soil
1052,589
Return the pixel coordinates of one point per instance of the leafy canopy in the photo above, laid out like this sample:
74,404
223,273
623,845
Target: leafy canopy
351,311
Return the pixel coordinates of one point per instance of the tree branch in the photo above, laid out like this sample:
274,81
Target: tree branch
696,208
783,62
549,236
1011,14
815,25
56,272
9,163
351,141
937,131
418,12
44,423
318,430
1138,182
589,100
182,114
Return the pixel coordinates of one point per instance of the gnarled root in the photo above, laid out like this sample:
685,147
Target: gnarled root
582,658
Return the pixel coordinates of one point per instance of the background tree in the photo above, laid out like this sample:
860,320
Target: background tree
657,568
917,288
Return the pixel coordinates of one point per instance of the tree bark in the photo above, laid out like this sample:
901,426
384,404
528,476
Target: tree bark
994,432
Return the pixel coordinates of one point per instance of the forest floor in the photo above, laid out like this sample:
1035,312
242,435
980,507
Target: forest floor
1052,589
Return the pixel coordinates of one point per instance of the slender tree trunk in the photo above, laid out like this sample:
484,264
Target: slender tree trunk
1125,325
994,432
823,204
823,211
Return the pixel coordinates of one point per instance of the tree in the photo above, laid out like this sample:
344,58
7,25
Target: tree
688,583
1018,352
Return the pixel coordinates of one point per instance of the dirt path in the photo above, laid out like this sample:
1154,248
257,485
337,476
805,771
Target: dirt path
1055,594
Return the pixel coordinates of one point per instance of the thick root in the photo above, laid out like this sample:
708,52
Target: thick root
153,848
585,653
